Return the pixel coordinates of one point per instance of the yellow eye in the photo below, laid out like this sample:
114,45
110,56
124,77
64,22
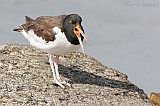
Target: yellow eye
71,21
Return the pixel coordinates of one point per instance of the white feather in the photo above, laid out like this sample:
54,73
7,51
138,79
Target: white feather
59,46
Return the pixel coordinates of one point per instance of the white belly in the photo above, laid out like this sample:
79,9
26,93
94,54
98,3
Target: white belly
59,46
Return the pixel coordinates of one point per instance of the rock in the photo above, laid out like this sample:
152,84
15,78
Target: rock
26,80
155,98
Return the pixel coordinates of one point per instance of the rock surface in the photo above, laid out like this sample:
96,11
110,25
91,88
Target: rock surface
26,80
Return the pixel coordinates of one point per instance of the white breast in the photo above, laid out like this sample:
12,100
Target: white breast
59,46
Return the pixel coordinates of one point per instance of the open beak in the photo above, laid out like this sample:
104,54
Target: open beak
78,32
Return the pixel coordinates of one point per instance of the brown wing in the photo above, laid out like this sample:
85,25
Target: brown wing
52,20
44,30
43,25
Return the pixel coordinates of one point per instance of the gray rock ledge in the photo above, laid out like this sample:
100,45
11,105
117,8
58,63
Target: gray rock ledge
26,80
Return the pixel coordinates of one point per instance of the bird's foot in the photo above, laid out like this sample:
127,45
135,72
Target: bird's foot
61,83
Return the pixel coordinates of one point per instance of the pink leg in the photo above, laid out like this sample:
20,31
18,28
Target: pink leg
56,60
55,80
52,67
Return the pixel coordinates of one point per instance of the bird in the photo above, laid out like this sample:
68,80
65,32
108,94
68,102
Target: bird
55,35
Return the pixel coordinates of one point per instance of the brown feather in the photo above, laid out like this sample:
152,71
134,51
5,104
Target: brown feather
28,19
43,25
52,20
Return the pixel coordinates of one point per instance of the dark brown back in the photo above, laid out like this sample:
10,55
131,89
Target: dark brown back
43,25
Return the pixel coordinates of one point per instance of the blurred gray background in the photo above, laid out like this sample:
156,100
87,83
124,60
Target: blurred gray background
122,34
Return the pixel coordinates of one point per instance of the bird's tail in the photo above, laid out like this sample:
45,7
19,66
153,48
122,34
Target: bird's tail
19,29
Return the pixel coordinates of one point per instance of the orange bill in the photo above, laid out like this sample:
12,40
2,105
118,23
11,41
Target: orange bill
78,31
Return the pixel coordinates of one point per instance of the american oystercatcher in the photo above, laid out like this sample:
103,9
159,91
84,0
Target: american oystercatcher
56,35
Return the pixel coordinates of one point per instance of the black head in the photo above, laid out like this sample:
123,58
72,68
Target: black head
73,29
